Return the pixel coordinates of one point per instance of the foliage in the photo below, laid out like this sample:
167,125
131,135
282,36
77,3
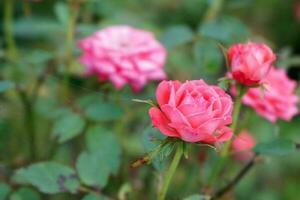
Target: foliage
64,135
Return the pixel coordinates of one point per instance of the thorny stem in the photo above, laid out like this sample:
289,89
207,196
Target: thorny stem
170,172
236,179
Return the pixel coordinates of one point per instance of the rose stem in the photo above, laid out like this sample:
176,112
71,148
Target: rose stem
236,179
29,121
236,111
8,29
170,172
74,6
213,10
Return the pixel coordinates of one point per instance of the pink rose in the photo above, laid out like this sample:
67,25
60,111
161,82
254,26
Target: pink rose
279,100
192,111
123,54
242,146
250,62
297,11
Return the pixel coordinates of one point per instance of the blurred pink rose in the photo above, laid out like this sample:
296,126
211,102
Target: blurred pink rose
123,54
242,146
250,62
279,100
297,11
192,111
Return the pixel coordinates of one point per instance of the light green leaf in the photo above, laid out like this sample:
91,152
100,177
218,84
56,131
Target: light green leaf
208,56
48,177
105,144
24,194
38,56
62,12
225,29
101,159
36,27
68,126
197,197
94,197
276,148
177,35
4,191
6,85
103,111
92,169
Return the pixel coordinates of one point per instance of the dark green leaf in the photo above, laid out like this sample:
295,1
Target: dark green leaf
4,191
225,29
6,85
68,126
276,148
103,111
177,35
25,194
48,177
208,56
151,138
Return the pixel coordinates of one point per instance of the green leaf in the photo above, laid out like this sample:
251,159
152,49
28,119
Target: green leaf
276,148
62,12
101,159
177,35
224,83
207,56
38,56
103,111
197,197
92,169
151,138
68,126
225,29
6,85
48,177
37,27
4,191
94,197
25,194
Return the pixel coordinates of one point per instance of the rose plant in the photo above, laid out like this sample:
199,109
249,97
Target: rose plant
73,71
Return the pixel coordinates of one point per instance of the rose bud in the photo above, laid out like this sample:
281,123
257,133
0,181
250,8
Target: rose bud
123,55
242,146
250,62
279,100
192,111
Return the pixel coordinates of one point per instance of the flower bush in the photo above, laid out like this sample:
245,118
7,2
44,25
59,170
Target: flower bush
149,100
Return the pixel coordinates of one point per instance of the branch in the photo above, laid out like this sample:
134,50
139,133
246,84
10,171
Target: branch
236,179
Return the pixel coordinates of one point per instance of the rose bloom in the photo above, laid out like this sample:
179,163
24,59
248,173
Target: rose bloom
278,101
123,54
242,146
250,62
192,111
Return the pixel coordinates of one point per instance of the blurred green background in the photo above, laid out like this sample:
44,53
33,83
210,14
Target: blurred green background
42,59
